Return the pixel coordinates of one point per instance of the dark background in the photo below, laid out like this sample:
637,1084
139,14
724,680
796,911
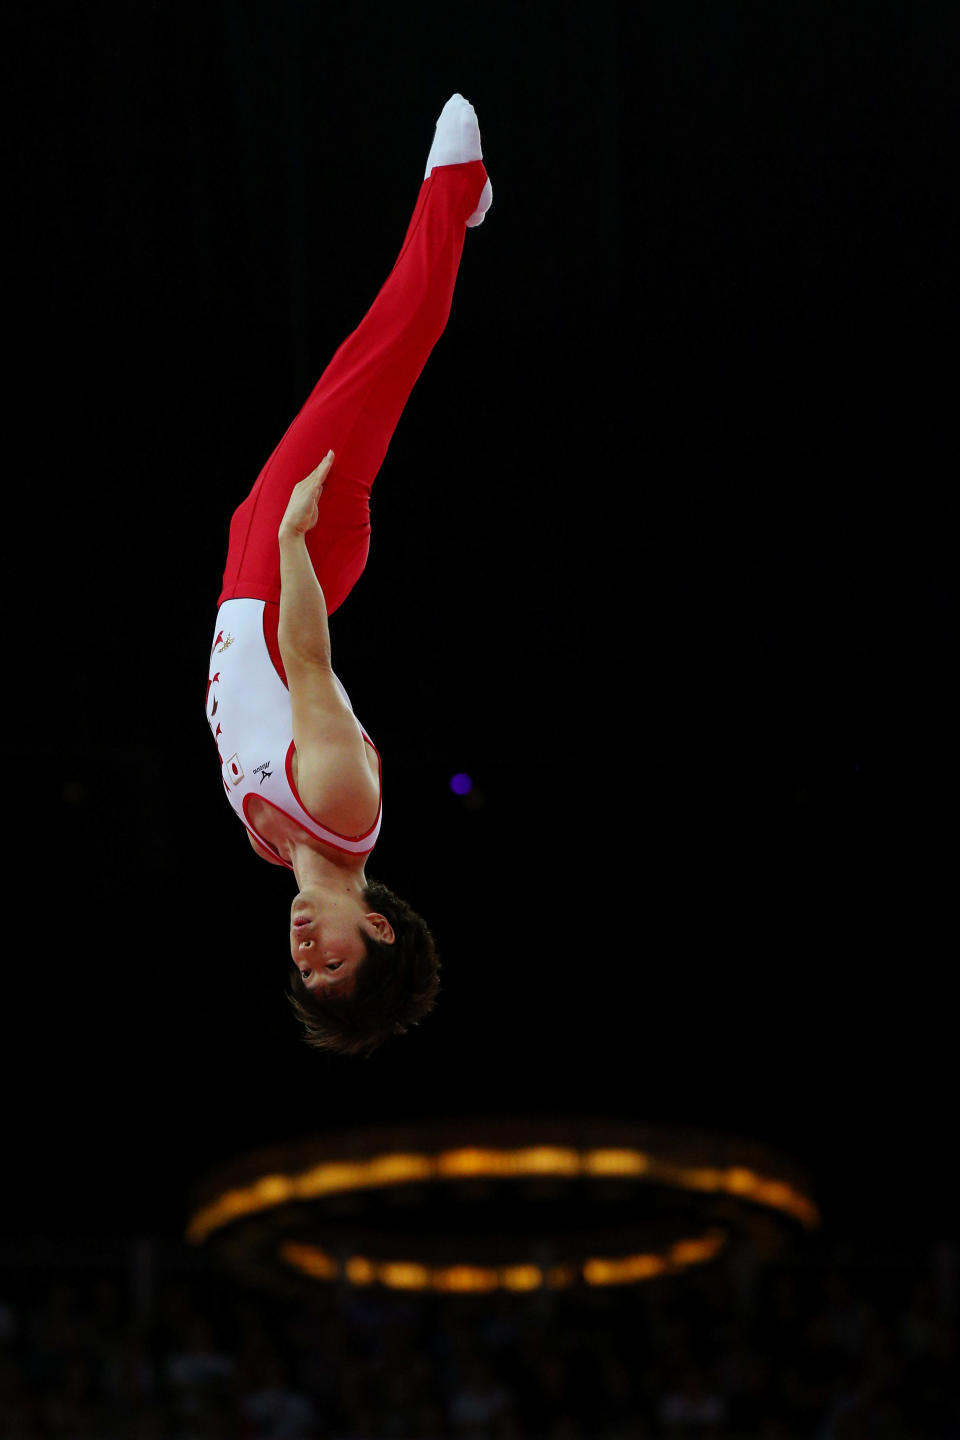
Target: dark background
662,557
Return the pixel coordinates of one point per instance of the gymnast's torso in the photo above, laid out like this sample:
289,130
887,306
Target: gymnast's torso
248,711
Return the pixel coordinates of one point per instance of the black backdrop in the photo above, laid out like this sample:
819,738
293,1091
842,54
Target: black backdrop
662,557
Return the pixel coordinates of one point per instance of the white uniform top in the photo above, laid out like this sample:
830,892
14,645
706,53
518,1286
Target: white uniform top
248,710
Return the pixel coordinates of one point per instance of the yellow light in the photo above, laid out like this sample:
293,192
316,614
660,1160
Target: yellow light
776,1194
694,1252
399,1169
521,1277
339,1176
325,1180
472,1161
359,1271
332,1178
622,1271
781,1197
702,1178
464,1278
739,1181
627,1269
403,1167
409,1275
547,1160
615,1162
310,1259
228,1207
272,1190
403,1275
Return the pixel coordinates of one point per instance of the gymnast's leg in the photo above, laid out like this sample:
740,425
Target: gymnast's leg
355,406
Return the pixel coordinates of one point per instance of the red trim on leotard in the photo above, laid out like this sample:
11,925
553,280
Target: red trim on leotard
288,763
248,823
287,816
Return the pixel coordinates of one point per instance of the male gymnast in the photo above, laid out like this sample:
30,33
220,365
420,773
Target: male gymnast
300,771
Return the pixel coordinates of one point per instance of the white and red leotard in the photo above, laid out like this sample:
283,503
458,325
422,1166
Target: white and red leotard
248,708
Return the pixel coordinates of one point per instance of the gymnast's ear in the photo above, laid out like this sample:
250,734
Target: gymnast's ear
384,931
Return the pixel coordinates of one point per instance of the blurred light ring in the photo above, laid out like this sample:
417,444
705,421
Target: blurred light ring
468,1278
746,1180
384,1171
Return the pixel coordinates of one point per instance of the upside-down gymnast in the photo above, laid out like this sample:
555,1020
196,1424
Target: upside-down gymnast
300,771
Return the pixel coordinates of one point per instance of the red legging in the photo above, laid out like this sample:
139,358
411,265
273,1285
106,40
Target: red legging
354,407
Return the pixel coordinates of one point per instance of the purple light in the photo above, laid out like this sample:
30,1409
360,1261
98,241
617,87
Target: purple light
461,784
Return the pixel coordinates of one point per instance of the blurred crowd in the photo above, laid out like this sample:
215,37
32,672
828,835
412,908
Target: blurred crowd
822,1347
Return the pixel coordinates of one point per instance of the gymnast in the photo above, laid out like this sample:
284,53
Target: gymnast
301,772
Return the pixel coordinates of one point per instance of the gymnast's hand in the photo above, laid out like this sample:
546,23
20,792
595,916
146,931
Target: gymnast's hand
301,513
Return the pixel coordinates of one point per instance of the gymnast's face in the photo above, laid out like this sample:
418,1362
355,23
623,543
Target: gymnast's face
326,940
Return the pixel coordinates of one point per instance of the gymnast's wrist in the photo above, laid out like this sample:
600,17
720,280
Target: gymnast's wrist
288,535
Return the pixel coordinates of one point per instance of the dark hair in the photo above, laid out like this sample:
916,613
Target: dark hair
396,985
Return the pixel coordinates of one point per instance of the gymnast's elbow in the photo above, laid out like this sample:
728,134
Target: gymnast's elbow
301,650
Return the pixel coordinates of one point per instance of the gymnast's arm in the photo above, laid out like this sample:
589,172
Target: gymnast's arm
333,776
302,630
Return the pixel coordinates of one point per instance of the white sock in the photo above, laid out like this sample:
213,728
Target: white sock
457,136
456,141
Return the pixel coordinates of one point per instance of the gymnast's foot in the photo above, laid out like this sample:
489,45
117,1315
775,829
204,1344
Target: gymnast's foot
457,141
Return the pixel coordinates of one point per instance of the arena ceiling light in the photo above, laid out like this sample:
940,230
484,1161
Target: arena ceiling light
500,1204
